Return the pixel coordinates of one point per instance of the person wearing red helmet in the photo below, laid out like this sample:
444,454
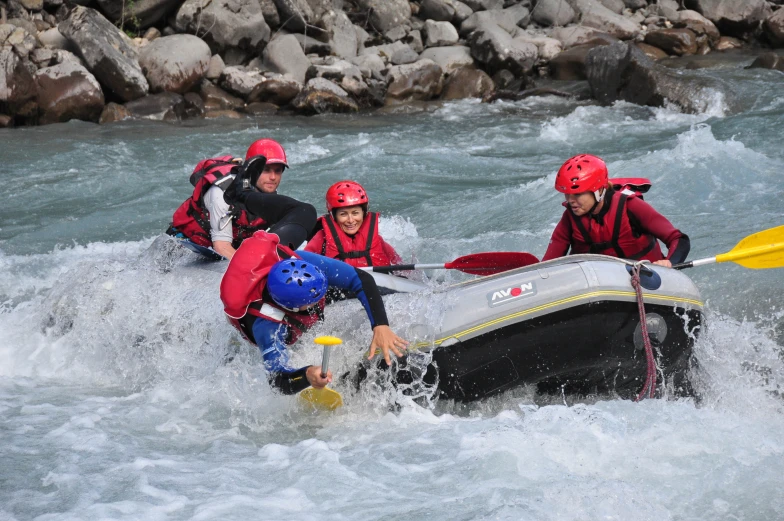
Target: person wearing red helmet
599,219
213,218
349,232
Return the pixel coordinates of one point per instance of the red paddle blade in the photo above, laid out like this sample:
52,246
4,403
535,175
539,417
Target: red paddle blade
491,262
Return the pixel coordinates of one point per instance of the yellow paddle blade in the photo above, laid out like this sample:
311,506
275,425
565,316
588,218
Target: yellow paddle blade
759,251
327,340
324,399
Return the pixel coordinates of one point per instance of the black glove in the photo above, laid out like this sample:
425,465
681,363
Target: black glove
245,177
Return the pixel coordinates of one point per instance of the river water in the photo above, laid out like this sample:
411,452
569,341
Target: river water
124,394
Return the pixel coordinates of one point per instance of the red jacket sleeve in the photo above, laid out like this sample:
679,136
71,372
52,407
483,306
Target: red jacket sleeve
390,252
316,244
561,239
651,221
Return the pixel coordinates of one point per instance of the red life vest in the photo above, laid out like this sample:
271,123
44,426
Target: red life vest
192,218
616,233
242,289
364,248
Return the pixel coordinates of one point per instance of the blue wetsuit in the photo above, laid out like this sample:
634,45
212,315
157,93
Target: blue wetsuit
271,336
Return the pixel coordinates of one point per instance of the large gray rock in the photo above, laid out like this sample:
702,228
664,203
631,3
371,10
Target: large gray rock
673,41
440,34
507,19
623,72
225,24
295,15
106,51
17,86
437,10
701,26
420,81
570,64
616,6
139,13
769,60
449,58
285,56
320,96
594,14
340,33
467,82
68,91
547,48
495,48
386,14
484,5
553,13
774,28
270,12
175,63
53,39
239,81
577,35
275,90
370,65
19,38
216,98
732,17
386,51
166,106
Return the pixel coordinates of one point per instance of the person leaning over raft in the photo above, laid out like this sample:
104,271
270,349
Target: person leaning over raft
272,295
599,219
349,232
210,219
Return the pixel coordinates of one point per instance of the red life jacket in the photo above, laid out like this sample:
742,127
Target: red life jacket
364,248
192,218
242,289
617,234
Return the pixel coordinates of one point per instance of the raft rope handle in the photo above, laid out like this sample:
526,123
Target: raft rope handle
650,378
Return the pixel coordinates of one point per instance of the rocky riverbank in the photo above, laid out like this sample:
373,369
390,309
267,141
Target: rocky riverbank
108,60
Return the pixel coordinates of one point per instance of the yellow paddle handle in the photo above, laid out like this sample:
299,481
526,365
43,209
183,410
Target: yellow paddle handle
327,340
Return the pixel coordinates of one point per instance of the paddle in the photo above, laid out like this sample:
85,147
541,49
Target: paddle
324,399
761,250
487,263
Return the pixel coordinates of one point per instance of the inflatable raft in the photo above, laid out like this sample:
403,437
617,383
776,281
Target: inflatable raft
569,325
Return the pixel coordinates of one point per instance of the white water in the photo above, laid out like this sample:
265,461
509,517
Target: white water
117,400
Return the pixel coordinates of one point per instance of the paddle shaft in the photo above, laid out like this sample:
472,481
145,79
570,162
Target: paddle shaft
694,263
325,361
404,267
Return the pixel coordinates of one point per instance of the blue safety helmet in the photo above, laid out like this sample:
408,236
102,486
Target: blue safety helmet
295,284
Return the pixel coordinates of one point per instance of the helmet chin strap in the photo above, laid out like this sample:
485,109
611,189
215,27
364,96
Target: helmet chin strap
598,195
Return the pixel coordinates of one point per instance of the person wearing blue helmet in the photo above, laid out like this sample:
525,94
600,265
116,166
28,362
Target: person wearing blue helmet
272,295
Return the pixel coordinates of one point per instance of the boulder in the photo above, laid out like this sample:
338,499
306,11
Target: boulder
698,24
226,24
577,35
506,19
20,39
651,52
240,82
216,98
369,65
340,33
54,39
295,15
285,56
17,85
623,72
278,91
570,64
440,34
673,41
420,81
774,28
106,51
402,55
320,96
270,13
732,18
484,5
68,91
449,59
437,10
769,60
495,48
215,68
553,13
386,14
166,106
114,112
312,46
547,48
139,13
467,82
594,14
175,63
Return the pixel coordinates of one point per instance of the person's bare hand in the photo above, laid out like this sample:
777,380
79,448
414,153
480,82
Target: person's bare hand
665,263
386,340
313,374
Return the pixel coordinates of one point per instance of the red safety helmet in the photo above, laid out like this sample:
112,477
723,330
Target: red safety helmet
346,193
583,173
268,148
